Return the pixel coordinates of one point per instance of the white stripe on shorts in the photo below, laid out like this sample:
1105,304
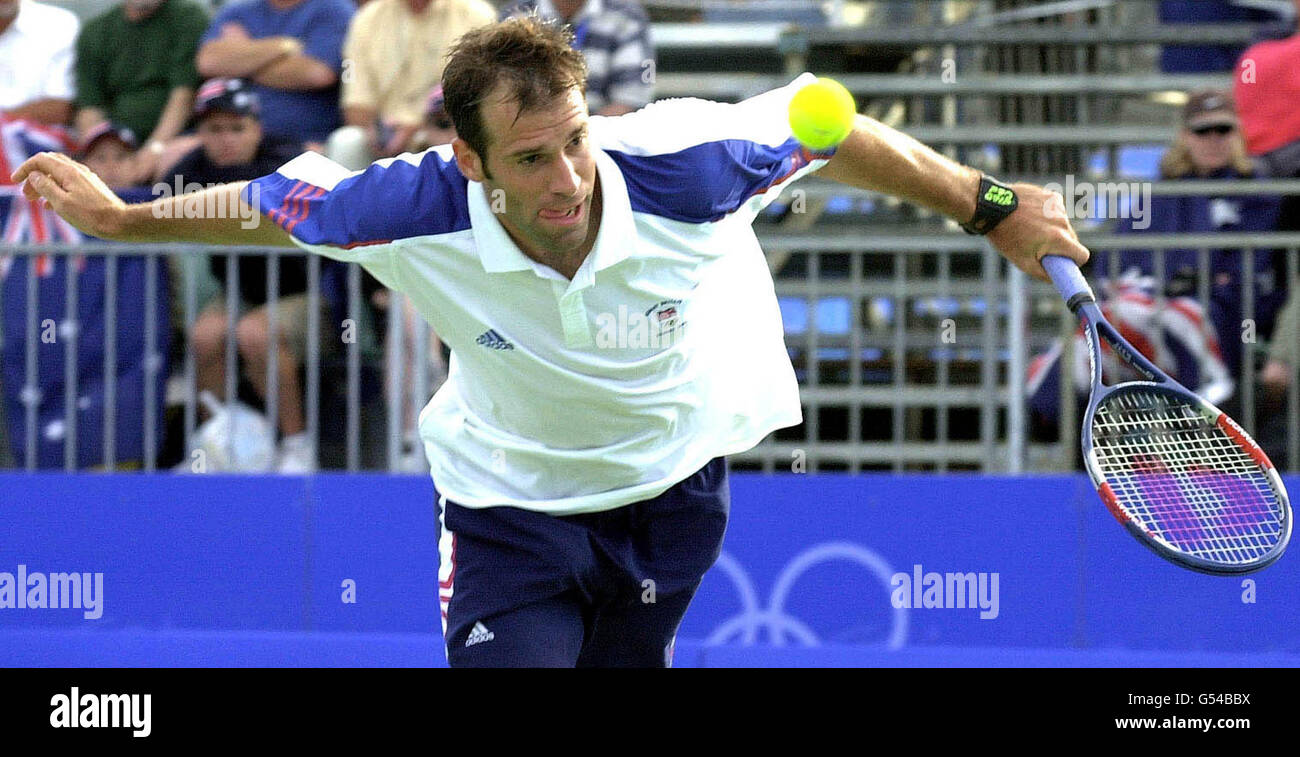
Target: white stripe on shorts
446,565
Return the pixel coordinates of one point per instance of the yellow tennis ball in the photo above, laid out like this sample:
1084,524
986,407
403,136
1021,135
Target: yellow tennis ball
821,114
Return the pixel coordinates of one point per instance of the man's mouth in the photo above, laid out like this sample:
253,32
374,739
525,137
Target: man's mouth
563,216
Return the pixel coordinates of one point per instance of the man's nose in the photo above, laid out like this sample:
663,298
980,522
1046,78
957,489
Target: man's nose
565,179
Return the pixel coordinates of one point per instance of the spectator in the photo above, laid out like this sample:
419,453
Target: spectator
1280,369
135,66
1172,333
36,52
233,147
1186,59
1267,87
1209,146
437,128
1276,378
395,52
108,151
614,37
291,50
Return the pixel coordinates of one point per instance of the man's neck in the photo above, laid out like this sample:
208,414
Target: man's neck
567,264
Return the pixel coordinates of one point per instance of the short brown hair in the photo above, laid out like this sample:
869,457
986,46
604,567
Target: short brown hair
535,59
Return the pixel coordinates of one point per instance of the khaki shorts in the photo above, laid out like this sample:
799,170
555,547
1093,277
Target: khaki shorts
290,319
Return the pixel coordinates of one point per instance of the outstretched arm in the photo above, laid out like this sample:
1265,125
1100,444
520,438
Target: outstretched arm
882,159
212,216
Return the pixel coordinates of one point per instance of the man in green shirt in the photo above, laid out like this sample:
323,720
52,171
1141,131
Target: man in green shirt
135,66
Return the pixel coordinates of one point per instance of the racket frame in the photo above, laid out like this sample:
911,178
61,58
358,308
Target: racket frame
1078,295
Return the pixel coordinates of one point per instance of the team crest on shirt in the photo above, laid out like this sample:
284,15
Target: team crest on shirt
659,326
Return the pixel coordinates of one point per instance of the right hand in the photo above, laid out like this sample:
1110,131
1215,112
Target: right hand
74,192
1276,376
1037,228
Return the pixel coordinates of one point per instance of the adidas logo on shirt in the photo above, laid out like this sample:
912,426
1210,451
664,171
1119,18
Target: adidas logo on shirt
479,634
493,340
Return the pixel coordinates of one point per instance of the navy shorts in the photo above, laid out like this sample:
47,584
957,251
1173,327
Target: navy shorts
519,588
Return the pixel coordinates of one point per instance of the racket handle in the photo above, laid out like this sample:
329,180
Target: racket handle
1069,280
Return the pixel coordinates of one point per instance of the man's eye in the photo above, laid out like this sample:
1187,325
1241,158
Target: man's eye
528,160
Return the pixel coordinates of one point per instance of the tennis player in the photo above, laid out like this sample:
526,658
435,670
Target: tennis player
613,324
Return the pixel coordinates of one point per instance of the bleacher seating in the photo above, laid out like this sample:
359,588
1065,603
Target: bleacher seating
1024,94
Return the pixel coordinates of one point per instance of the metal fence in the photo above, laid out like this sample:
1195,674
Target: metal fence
1046,89
883,389
340,362
883,386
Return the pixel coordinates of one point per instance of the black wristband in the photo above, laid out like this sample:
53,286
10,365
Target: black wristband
994,202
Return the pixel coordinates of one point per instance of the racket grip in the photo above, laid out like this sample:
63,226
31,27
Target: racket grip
1069,280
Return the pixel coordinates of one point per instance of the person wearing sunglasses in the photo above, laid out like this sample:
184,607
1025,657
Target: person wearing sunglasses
1209,146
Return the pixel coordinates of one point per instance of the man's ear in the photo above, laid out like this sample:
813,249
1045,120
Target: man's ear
471,166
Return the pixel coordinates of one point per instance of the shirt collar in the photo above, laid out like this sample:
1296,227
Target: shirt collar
614,240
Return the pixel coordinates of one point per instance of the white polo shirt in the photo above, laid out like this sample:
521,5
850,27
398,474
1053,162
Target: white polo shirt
36,55
665,350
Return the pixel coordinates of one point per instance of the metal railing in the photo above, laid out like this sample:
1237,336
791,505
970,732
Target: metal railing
1004,326
882,387
334,347
735,86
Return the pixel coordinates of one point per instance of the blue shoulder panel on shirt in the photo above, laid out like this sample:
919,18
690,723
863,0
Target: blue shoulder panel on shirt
705,182
381,204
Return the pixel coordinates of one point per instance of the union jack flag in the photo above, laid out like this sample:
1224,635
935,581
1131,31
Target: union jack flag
23,220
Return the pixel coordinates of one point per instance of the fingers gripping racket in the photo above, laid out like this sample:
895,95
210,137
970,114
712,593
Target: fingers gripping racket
1178,473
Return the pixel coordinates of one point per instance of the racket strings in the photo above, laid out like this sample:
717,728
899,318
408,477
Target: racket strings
1184,479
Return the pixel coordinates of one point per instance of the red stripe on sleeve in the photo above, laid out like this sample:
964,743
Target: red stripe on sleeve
305,208
279,215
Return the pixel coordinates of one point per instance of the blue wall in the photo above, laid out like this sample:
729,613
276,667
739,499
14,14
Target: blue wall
185,556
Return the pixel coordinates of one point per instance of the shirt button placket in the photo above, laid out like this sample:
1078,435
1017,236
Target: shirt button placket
573,317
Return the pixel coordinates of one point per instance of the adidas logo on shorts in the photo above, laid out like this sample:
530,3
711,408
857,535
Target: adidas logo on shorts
479,634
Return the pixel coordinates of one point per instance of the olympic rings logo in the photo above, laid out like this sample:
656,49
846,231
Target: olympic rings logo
744,627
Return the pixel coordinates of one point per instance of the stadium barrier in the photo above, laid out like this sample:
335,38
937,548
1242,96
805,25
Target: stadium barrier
911,352
338,569
737,86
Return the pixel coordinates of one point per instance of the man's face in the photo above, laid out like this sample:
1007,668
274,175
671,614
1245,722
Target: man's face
229,139
110,160
544,166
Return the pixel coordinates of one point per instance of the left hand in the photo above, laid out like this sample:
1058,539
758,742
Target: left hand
74,192
400,139
1039,226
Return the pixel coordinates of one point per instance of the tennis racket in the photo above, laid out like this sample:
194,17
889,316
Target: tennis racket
1181,476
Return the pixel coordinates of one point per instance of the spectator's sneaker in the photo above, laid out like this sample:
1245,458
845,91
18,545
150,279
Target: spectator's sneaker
296,455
